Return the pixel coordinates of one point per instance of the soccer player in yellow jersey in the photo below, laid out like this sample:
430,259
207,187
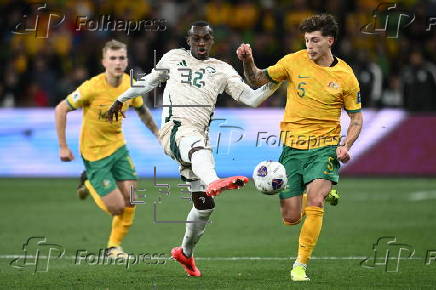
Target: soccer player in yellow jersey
319,86
109,168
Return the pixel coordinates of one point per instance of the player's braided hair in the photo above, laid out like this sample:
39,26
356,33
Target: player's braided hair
326,23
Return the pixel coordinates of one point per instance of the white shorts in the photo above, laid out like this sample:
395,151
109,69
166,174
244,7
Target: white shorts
178,138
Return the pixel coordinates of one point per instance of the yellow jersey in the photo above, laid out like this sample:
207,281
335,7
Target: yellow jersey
315,96
99,138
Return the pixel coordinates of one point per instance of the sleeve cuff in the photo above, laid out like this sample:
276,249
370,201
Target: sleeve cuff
353,111
70,105
269,77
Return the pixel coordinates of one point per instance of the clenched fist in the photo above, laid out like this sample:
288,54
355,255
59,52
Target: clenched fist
342,154
244,52
65,154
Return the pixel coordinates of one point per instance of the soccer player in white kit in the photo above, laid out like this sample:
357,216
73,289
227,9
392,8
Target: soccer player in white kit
193,82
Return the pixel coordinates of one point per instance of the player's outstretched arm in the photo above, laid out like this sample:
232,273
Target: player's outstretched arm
142,87
146,118
254,98
253,75
353,131
61,111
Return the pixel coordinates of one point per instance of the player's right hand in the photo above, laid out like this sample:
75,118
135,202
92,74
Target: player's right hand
244,52
116,108
342,154
65,154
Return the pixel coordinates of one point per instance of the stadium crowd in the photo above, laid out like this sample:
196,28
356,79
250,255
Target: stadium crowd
48,51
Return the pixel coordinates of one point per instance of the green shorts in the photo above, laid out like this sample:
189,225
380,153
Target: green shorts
104,173
303,166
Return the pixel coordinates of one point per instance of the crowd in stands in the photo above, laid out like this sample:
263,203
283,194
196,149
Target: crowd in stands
48,51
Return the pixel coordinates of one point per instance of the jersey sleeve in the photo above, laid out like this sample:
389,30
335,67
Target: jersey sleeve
163,62
352,99
81,96
137,102
161,70
235,84
280,71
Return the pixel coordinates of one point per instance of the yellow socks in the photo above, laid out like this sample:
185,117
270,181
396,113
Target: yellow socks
303,204
309,233
120,226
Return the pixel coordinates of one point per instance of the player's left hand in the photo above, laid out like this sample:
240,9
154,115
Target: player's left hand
116,108
244,52
342,154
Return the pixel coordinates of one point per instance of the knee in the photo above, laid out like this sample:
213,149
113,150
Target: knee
317,201
291,220
116,209
202,201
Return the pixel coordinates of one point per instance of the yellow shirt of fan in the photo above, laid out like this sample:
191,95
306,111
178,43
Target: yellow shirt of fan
99,138
315,97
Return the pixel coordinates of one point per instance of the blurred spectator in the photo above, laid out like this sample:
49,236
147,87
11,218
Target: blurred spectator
393,95
36,96
43,86
244,15
370,79
419,78
218,12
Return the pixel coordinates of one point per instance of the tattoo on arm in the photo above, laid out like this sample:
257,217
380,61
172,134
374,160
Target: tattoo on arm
253,75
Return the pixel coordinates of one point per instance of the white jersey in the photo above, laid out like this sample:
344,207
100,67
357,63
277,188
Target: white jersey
193,86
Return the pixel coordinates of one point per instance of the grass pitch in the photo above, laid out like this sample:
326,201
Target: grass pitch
245,246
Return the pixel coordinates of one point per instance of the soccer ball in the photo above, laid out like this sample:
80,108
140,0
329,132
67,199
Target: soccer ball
270,177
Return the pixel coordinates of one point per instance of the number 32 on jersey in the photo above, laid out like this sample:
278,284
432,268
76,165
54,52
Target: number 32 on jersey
192,78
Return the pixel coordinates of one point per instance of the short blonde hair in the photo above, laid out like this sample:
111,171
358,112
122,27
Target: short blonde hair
114,45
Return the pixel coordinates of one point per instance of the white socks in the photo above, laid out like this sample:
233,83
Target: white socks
299,264
195,228
203,166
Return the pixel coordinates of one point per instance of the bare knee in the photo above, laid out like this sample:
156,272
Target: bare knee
202,201
317,190
291,210
316,200
114,202
292,220
116,209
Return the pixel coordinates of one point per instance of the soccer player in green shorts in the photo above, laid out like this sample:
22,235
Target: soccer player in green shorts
319,86
109,168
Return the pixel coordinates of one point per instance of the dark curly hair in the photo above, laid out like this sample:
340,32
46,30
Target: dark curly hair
326,23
